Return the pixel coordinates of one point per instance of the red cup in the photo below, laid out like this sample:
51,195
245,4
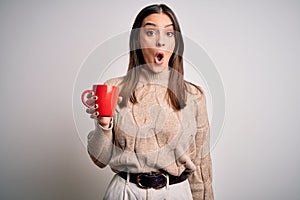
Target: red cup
107,99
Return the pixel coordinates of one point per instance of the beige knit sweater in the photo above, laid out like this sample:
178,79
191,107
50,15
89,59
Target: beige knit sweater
149,135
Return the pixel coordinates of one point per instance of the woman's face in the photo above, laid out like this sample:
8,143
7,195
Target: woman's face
157,41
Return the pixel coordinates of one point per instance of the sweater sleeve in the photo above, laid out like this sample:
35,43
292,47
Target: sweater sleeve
100,140
201,179
100,145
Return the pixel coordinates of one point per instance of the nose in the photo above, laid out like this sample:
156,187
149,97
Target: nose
160,44
160,41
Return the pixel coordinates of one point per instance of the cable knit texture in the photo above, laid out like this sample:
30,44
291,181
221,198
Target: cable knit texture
149,135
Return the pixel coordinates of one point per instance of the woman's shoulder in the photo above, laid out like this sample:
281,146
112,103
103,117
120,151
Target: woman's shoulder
114,81
193,90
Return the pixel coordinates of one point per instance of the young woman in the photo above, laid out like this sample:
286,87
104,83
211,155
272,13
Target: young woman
157,142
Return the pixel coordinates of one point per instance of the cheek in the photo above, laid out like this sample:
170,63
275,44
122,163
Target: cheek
147,54
145,51
170,44
142,43
170,48
147,42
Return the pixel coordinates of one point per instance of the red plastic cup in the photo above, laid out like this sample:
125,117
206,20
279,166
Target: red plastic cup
107,99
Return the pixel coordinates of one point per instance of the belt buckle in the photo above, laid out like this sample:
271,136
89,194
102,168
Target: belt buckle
138,179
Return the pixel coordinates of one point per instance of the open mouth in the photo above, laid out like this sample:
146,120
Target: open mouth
159,58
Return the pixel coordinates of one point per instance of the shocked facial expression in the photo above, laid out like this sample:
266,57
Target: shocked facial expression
157,41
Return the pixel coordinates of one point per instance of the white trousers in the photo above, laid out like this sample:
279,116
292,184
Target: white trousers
121,189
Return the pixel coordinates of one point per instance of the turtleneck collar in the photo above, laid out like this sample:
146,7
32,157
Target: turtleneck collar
148,75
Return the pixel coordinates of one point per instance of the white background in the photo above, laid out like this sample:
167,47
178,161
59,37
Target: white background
254,44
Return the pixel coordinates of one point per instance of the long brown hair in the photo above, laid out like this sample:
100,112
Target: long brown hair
176,85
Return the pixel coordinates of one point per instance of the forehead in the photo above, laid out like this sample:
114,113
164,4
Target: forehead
159,19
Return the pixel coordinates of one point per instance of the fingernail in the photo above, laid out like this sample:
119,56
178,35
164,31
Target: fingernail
97,113
96,106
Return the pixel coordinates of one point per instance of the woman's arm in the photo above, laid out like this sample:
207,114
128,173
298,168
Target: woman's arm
100,144
201,179
100,140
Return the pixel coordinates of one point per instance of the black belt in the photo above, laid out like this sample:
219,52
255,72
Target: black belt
154,180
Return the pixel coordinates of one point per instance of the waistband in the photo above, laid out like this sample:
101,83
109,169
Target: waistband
156,180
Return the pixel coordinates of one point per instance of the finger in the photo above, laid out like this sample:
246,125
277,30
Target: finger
91,101
92,109
120,99
104,121
93,97
94,115
90,94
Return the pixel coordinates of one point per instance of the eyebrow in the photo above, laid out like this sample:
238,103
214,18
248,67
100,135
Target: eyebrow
152,24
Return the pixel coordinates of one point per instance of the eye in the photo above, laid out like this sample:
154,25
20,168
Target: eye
150,33
170,33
